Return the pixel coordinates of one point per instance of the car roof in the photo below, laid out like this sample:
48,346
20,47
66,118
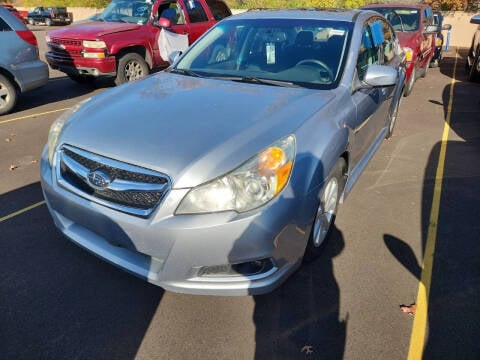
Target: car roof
348,15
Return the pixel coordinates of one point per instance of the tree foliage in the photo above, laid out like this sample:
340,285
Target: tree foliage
98,4
448,5
252,4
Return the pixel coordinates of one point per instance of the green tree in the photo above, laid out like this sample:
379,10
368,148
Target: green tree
448,5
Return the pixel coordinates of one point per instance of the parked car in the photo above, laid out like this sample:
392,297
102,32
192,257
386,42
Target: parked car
217,174
414,25
56,15
14,11
123,42
21,69
473,58
438,54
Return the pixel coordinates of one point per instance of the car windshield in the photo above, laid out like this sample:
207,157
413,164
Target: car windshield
281,52
136,12
401,18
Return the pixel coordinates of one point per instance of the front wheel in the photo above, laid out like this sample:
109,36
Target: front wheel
8,95
131,66
48,22
474,73
31,21
327,209
409,86
427,66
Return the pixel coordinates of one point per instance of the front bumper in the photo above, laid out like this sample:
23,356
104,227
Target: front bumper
31,75
184,253
81,66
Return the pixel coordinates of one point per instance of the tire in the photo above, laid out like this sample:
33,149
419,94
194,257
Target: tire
474,73
8,95
425,70
409,85
327,210
48,22
131,66
31,21
82,79
393,117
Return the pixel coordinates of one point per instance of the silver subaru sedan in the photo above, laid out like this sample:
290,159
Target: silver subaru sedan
221,174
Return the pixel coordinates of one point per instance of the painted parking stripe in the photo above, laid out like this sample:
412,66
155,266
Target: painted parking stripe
420,322
22,211
32,115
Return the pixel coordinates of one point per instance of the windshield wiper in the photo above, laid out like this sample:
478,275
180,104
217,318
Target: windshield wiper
255,80
184,72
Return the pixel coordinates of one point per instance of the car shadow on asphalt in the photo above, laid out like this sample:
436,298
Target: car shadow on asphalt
453,316
57,300
58,89
301,319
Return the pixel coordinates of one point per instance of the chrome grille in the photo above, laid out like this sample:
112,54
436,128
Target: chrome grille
66,48
66,42
121,186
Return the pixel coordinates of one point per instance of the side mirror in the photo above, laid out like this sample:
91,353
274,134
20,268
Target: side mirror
430,29
447,27
164,23
380,75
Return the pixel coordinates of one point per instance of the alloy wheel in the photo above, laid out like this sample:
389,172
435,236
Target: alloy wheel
326,211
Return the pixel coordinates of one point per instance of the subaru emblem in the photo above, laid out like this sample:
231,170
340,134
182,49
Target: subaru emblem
99,179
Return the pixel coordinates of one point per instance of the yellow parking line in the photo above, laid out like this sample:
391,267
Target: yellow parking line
420,322
32,115
19,212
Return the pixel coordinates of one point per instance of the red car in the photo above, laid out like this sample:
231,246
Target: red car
415,27
14,11
124,41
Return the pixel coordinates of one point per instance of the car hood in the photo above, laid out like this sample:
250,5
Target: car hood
409,39
191,129
92,29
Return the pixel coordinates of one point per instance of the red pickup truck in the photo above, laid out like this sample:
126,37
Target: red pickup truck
122,42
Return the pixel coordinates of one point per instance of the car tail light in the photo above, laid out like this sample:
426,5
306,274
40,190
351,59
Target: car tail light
27,36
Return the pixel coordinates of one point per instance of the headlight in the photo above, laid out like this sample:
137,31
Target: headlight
408,53
94,44
56,129
249,186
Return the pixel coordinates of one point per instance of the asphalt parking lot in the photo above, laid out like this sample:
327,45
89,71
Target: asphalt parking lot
408,233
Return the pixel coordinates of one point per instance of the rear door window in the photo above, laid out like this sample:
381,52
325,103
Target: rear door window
218,9
195,11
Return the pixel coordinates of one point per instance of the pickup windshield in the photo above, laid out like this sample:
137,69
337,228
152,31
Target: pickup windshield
136,12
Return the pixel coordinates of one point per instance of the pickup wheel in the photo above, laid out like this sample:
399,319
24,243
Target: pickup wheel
131,66
8,95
